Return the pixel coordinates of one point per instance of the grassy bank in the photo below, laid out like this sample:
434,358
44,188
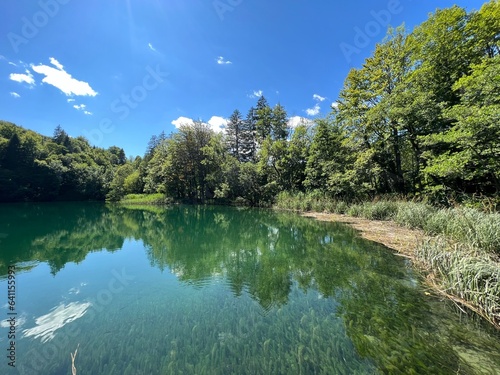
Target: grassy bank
461,252
145,199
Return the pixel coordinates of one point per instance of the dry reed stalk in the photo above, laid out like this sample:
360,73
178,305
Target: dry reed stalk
460,301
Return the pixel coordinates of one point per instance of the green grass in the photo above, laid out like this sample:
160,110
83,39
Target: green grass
465,272
145,199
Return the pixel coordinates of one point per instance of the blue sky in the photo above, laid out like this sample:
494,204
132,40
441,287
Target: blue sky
119,71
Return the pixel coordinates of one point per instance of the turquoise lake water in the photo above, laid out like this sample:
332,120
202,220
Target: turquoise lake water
219,290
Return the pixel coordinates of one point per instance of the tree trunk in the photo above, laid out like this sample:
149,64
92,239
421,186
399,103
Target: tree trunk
400,182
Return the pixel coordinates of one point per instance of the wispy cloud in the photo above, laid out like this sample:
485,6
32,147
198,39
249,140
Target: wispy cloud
222,61
319,98
8,62
256,94
15,94
62,80
27,78
71,100
151,47
81,107
313,111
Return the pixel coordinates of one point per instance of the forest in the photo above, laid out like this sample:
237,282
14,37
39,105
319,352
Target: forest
419,119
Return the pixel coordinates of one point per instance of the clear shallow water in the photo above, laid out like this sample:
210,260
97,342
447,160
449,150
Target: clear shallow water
219,290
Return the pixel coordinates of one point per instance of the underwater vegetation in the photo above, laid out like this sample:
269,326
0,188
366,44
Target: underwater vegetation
218,290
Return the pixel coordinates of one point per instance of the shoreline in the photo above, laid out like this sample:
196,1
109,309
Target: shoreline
404,241
394,236
437,265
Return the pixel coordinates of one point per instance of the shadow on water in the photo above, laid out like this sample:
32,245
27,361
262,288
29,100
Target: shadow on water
271,257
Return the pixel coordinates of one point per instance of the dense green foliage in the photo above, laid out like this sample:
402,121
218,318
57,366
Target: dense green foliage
419,118
38,168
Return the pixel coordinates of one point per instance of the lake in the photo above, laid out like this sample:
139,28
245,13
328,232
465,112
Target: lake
219,290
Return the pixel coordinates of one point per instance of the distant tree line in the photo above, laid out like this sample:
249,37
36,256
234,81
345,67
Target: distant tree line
38,168
421,117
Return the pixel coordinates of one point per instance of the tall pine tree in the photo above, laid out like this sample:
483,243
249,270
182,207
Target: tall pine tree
234,130
263,124
247,137
279,123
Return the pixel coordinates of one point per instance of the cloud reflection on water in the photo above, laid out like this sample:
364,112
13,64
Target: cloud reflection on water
47,325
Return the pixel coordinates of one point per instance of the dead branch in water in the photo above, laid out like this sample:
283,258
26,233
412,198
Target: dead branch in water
73,356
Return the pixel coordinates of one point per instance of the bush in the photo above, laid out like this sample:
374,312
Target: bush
413,215
476,228
341,207
355,210
382,210
438,222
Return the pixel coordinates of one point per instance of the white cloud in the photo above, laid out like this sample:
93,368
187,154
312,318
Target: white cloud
15,95
295,121
151,47
335,105
8,62
81,107
319,98
28,78
71,100
56,63
62,80
217,124
256,94
313,111
222,61
182,121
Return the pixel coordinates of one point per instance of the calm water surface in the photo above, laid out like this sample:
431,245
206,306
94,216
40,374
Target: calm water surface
217,290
